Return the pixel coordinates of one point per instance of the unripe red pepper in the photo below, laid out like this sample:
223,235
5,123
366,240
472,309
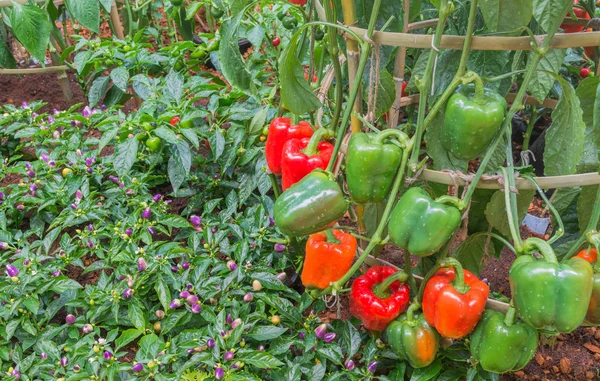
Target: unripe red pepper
280,131
329,255
301,156
592,316
379,296
454,300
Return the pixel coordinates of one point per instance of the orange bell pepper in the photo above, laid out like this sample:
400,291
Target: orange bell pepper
329,255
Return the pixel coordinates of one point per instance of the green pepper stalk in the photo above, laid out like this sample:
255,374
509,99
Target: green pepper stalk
330,237
472,77
320,134
527,136
511,211
382,290
446,8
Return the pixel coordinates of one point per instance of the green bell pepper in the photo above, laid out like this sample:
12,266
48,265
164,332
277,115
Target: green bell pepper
549,296
371,166
472,119
310,205
500,345
421,225
413,339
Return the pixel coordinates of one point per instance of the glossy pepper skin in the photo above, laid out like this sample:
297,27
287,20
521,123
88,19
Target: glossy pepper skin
421,225
295,163
310,205
471,122
549,296
280,131
500,345
373,303
371,165
592,316
453,312
327,262
413,339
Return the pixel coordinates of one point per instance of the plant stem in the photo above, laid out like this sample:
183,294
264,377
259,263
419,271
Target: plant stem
410,312
472,77
527,136
382,289
334,52
459,274
510,211
534,244
276,190
130,18
365,52
408,268
509,318
320,134
445,9
331,238
376,238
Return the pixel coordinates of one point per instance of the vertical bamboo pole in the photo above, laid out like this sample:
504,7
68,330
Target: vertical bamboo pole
116,20
399,64
63,79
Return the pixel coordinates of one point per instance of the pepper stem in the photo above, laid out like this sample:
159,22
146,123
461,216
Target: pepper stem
459,275
402,137
472,77
451,200
511,314
320,134
382,290
331,238
410,312
533,244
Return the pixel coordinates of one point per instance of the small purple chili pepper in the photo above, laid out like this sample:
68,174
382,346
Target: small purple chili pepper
12,270
73,206
271,221
185,265
3,245
146,213
349,365
196,309
219,373
174,268
175,303
228,319
184,294
87,329
151,230
16,374
89,161
20,207
210,343
236,323
279,247
50,119
127,294
129,231
52,163
1,195
56,273
43,355
31,173
78,194
137,368
107,355
28,165
260,348
195,220
103,108
157,197
192,300
45,157
329,337
248,297
213,230
372,367
90,244
229,356
25,104
87,112
281,276
89,170
232,265
64,361
160,314
301,335
189,286
90,227
70,319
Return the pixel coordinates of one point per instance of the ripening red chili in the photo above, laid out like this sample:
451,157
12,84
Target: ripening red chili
404,84
175,120
581,14
298,2
276,41
585,72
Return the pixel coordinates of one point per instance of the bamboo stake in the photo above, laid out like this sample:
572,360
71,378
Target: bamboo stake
114,16
34,70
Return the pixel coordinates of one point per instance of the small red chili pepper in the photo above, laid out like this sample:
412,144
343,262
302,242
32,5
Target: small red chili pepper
276,41
585,72
379,296
175,120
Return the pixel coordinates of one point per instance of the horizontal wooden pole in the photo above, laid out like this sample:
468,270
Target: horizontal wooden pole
34,70
547,182
491,303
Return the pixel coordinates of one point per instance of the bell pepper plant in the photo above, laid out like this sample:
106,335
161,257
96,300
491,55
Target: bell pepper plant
454,300
280,131
422,225
592,316
329,255
379,296
371,165
412,338
500,344
550,296
310,206
472,118
301,156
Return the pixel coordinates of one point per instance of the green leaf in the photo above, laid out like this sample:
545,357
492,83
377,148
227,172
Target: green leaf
87,12
565,137
61,285
588,93
173,89
470,252
267,333
167,134
191,135
125,156
296,94
386,93
260,359
489,63
174,221
192,9
32,303
427,373
7,60
31,27
542,81
550,13
106,4
496,210
127,337
81,60
258,121
442,159
162,290
506,15
120,78
97,90
585,204
136,314
233,66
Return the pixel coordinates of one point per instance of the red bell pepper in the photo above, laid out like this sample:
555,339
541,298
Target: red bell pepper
379,296
280,131
301,156
454,300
